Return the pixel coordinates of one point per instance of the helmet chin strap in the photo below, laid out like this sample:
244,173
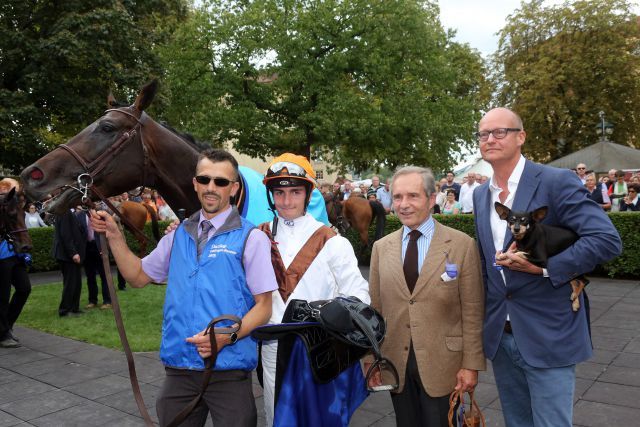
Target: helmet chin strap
272,207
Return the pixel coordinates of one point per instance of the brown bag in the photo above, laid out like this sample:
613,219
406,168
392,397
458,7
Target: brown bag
459,417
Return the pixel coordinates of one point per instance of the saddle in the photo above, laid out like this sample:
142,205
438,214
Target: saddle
336,333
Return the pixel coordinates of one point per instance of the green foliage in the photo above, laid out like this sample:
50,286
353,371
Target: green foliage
141,312
42,239
60,59
360,83
626,265
561,65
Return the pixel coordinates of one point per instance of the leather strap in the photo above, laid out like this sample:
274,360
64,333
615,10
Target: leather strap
210,363
288,279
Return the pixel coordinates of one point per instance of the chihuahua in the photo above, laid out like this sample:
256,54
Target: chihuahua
536,242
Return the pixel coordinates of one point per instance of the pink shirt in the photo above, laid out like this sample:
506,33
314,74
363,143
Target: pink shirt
256,258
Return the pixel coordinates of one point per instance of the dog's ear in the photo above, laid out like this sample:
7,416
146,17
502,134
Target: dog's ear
539,214
503,211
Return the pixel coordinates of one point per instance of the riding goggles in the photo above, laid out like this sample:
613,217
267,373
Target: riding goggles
287,169
218,181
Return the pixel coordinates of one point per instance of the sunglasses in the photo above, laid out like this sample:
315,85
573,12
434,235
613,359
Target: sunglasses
219,182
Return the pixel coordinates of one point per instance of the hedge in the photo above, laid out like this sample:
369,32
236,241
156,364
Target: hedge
625,266
42,239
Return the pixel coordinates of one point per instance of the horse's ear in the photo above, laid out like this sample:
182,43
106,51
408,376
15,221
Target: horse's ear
111,100
146,95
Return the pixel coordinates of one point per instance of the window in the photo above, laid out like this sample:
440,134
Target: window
319,174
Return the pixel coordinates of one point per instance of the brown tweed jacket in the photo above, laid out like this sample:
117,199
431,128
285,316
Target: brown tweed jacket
442,319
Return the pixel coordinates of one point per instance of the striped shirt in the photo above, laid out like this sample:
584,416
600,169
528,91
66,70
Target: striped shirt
426,228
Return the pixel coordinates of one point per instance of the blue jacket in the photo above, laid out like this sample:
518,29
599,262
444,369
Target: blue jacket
5,250
548,332
200,289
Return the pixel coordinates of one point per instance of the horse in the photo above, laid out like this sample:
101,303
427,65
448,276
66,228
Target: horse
12,226
136,213
358,213
126,148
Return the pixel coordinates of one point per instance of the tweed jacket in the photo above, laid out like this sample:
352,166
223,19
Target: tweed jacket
443,319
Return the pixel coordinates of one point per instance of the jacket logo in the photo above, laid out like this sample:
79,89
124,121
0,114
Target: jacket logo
220,249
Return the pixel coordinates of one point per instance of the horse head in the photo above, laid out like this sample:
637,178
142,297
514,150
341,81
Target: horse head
62,176
12,227
333,205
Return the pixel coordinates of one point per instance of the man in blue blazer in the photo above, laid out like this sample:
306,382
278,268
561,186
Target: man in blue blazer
531,333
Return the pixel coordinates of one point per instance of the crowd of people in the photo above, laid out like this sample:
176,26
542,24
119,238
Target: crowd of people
449,302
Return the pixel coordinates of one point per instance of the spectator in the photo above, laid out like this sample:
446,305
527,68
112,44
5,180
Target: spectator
372,196
631,203
581,170
93,263
357,192
13,272
325,188
451,207
484,179
384,196
32,218
612,178
450,185
635,179
347,190
617,191
375,186
147,200
595,194
69,247
466,193
363,190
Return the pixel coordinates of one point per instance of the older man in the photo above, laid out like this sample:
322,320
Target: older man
466,193
434,319
581,170
531,333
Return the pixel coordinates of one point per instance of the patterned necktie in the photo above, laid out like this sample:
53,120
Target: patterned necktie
410,266
204,235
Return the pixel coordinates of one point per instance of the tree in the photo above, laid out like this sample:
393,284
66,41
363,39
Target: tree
563,64
360,82
59,59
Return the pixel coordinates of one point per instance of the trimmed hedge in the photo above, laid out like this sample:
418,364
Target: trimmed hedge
42,239
625,266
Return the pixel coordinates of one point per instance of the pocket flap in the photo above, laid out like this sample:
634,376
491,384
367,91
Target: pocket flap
453,343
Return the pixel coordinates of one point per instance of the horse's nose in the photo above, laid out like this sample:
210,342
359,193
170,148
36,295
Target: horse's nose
24,248
34,173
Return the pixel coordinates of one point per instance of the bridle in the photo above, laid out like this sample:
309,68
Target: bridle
336,211
94,167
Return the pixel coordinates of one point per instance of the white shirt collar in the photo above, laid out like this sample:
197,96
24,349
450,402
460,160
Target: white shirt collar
513,180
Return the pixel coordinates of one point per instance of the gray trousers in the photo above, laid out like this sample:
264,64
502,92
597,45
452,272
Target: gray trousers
229,398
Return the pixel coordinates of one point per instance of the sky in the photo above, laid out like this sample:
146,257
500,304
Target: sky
477,22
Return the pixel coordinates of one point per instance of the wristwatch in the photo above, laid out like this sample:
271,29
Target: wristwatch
233,338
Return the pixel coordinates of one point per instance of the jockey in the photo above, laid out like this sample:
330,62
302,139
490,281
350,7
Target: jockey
329,269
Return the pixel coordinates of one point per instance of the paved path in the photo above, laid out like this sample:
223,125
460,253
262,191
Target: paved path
55,381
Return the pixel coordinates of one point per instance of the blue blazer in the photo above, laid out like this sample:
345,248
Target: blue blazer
548,332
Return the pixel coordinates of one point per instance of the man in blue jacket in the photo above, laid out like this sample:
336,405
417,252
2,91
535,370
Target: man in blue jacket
216,263
531,333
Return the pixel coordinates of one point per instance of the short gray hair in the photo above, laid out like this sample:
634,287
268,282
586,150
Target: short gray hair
428,181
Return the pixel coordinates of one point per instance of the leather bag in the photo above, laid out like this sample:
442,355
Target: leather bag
459,416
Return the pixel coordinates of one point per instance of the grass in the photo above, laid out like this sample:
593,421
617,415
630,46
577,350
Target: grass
141,314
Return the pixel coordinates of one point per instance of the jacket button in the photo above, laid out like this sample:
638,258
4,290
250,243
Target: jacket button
509,296
411,301
406,349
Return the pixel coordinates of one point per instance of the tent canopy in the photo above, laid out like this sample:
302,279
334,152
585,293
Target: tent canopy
601,157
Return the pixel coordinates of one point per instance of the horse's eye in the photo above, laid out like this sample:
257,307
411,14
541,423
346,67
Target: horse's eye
106,127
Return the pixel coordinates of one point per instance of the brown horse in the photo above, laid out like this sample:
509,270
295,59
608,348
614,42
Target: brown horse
136,213
12,227
358,213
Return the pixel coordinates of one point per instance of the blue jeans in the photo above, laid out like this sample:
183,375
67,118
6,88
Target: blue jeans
540,397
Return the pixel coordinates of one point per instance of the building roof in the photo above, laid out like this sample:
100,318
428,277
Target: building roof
601,157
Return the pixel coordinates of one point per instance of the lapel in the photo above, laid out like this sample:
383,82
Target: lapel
433,265
483,212
395,262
